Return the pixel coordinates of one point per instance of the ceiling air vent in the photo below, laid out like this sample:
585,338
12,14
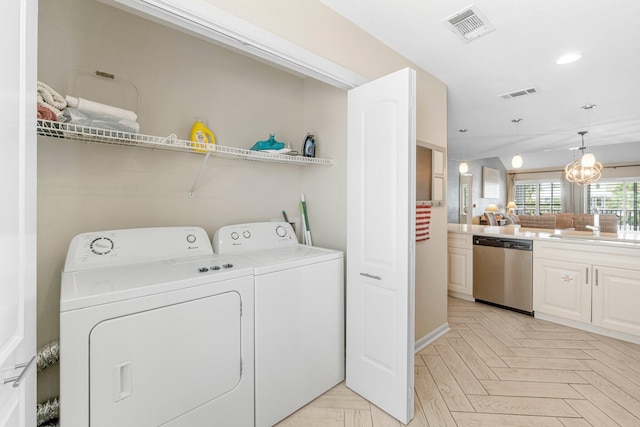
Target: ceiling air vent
469,24
517,93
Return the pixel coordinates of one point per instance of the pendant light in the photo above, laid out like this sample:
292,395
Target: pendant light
464,167
585,170
516,162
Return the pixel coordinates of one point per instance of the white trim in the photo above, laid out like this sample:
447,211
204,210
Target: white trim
587,327
460,295
204,20
431,337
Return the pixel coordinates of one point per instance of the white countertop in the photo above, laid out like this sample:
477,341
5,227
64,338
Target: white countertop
622,238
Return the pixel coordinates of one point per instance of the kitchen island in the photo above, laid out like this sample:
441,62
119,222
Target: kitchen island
579,280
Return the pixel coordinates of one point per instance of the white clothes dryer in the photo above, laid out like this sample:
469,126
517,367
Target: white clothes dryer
299,315
155,330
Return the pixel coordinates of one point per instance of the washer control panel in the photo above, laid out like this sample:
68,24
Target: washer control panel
120,247
253,236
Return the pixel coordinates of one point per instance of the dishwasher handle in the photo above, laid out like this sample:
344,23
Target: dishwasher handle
499,242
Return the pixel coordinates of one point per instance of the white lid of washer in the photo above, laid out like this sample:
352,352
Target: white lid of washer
277,259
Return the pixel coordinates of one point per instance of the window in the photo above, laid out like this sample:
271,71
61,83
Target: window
538,197
621,198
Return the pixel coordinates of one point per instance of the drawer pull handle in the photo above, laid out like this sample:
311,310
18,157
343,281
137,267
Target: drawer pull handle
371,276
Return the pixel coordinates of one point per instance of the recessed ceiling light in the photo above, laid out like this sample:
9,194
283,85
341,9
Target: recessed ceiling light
462,130
517,120
588,106
569,58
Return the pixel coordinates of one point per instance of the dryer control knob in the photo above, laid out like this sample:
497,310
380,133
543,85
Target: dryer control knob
246,234
281,231
235,235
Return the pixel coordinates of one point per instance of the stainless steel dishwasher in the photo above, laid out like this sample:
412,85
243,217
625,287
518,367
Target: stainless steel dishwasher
503,272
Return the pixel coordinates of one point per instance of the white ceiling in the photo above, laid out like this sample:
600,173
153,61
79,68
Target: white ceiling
529,36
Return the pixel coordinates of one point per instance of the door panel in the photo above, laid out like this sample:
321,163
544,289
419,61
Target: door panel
616,293
17,213
380,239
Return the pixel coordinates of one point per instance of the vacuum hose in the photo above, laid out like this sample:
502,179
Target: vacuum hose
48,412
48,355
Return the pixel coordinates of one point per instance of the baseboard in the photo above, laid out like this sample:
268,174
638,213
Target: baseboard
589,328
460,295
431,337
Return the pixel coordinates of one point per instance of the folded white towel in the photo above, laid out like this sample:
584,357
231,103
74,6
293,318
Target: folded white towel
51,99
95,107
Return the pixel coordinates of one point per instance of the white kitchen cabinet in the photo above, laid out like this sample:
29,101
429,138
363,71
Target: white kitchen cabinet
616,293
594,285
460,265
562,289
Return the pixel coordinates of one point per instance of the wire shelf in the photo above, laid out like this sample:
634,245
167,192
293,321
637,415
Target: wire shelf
169,143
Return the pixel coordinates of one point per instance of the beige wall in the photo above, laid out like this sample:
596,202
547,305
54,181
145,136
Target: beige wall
92,187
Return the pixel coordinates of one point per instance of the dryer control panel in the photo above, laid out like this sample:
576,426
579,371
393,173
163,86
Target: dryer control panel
253,236
121,247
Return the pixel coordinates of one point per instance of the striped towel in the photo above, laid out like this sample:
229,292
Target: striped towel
423,219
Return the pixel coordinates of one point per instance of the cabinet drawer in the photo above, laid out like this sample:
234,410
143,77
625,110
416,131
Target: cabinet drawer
459,240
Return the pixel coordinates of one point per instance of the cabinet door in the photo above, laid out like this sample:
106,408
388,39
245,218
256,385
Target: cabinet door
616,293
562,289
380,240
460,270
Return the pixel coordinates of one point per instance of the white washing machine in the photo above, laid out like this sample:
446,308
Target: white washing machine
299,315
155,330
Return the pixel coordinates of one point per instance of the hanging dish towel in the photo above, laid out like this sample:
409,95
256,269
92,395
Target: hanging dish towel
423,219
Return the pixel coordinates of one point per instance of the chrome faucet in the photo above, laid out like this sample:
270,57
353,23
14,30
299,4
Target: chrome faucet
596,230
596,222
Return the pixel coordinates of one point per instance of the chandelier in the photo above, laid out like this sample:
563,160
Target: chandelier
584,170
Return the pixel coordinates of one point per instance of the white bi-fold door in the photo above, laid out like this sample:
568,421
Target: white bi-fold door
380,241
18,26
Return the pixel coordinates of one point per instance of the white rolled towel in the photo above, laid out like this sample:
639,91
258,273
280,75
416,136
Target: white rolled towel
50,99
95,107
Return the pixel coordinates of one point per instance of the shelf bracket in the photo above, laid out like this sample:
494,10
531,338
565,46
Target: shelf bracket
195,181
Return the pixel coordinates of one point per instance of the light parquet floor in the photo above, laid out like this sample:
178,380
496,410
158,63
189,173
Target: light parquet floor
500,368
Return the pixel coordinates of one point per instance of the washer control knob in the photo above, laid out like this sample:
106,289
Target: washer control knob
227,265
235,235
215,267
281,231
203,269
191,238
101,245
246,234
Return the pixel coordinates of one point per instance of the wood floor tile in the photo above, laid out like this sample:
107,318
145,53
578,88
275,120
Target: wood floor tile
542,375
522,406
466,419
357,418
431,401
544,363
497,367
559,353
445,381
629,402
548,343
607,405
530,389
591,413
473,361
483,350
460,371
